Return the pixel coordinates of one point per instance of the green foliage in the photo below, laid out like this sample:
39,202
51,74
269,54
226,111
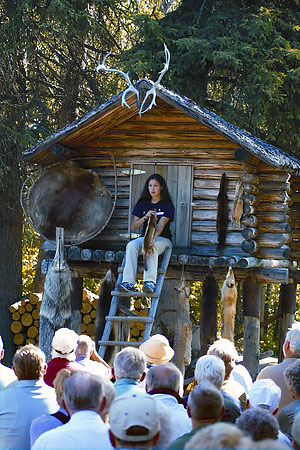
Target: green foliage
239,58
30,249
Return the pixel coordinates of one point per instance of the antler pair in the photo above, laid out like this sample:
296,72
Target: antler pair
131,88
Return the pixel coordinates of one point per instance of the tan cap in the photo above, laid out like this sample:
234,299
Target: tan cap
157,349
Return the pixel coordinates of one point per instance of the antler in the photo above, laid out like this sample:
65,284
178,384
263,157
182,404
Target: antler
152,91
130,88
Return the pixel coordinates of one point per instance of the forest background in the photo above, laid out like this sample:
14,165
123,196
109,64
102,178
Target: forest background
239,58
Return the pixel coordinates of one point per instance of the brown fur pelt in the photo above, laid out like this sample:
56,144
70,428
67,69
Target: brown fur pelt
222,215
148,238
238,206
208,318
229,297
103,306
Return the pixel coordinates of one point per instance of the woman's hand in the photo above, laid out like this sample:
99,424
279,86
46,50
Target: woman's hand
150,213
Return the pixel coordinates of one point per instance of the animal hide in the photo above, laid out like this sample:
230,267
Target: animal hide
208,318
237,209
148,238
183,328
103,306
56,305
229,297
222,215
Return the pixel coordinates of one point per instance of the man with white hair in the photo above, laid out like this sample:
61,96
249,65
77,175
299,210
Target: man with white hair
84,353
64,344
211,368
128,370
7,375
83,398
165,383
287,414
291,350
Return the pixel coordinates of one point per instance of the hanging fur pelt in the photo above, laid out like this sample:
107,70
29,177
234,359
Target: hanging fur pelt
208,317
222,215
56,305
103,306
229,297
237,209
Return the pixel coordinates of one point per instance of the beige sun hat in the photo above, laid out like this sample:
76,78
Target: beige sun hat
157,349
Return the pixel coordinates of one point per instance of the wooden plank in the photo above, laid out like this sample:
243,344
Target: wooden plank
172,183
183,212
141,143
210,194
212,184
199,238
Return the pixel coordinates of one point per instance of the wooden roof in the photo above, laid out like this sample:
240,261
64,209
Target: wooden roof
111,113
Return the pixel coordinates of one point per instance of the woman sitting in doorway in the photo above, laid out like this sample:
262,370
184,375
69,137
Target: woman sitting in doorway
155,199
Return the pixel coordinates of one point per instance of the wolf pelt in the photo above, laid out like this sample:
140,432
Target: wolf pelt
208,317
183,327
229,297
56,306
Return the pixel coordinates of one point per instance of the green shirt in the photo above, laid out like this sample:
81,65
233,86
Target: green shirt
182,440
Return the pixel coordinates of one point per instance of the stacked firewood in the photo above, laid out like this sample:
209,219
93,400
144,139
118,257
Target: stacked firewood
25,316
25,323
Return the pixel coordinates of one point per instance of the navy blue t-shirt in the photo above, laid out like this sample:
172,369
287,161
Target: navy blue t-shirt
142,207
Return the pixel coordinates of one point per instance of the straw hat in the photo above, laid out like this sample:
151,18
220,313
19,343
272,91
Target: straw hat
157,349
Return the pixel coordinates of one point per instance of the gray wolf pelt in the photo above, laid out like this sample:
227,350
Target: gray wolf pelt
229,297
208,318
183,327
222,215
56,306
148,238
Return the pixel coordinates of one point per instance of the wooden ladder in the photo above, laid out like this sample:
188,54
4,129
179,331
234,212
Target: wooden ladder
113,317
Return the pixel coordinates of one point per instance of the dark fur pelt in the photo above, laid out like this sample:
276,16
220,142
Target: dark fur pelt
208,318
56,307
103,305
222,216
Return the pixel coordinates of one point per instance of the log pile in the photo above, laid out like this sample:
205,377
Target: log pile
25,316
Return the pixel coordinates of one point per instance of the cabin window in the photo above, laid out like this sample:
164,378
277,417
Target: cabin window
179,179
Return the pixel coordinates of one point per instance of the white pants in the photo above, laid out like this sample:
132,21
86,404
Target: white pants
134,249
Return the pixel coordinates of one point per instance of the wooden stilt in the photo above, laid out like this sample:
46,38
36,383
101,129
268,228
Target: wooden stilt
251,300
287,306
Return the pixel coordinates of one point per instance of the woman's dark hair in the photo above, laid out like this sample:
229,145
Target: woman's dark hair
165,194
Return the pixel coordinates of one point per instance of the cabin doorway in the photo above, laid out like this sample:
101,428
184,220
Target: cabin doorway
179,179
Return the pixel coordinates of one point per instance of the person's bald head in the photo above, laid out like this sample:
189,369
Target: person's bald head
83,391
164,376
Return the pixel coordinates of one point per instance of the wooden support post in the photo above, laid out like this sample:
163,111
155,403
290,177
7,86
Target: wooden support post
76,304
287,305
251,301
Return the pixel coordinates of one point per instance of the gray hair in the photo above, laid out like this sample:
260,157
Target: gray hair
292,376
164,376
83,391
258,423
224,349
293,336
210,368
205,402
84,346
129,363
218,435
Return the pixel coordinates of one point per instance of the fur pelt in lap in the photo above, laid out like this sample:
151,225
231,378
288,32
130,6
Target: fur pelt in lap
148,238
208,318
229,297
222,215
56,306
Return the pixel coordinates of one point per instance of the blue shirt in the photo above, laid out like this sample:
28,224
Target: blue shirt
126,385
142,207
21,404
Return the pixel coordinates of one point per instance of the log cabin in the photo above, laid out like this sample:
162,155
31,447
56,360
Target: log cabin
191,147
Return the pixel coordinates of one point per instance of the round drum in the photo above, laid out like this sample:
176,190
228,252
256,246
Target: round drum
69,197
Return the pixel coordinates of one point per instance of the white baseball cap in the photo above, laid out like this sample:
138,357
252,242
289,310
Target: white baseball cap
265,393
134,410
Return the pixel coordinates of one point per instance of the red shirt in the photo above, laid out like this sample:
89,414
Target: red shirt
55,365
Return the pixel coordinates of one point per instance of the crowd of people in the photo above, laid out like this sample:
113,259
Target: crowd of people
78,401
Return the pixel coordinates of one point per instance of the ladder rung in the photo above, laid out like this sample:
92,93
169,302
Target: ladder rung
129,319
120,343
134,294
